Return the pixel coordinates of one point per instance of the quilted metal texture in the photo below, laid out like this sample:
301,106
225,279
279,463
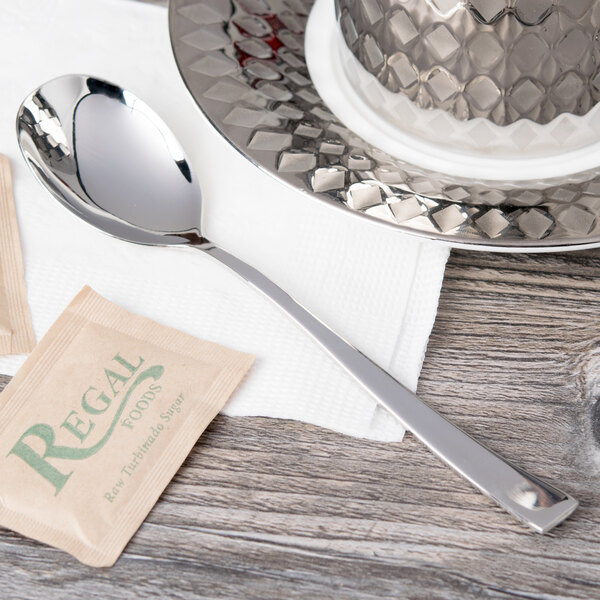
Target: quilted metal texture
243,62
520,140
502,60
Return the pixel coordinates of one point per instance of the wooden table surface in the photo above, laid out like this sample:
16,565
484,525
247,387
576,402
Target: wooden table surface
276,509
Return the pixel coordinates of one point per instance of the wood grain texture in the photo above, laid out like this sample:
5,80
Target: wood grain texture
277,509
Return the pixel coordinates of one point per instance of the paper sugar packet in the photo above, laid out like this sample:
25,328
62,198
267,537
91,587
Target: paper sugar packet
98,420
16,331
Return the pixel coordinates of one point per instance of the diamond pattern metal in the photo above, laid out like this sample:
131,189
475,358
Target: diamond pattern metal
284,127
503,40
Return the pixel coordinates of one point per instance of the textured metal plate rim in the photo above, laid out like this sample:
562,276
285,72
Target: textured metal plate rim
243,63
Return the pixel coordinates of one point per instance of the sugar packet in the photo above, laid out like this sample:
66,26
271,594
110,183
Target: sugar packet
99,419
16,330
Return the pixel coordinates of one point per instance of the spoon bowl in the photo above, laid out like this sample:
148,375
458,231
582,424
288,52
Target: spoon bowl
107,157
103,154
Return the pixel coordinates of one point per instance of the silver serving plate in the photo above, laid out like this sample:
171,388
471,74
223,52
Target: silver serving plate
243,62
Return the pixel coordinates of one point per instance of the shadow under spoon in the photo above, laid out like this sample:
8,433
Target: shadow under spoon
107,157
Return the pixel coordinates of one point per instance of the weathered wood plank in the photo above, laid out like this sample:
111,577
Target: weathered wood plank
276,509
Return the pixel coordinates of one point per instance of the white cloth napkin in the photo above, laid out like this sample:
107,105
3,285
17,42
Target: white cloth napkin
376,287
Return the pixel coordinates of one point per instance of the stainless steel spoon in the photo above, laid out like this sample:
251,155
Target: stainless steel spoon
108,158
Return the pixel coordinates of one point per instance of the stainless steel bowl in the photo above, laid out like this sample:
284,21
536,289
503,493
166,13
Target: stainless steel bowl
503,60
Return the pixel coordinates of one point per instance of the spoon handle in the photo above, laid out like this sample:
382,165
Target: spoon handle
538,504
